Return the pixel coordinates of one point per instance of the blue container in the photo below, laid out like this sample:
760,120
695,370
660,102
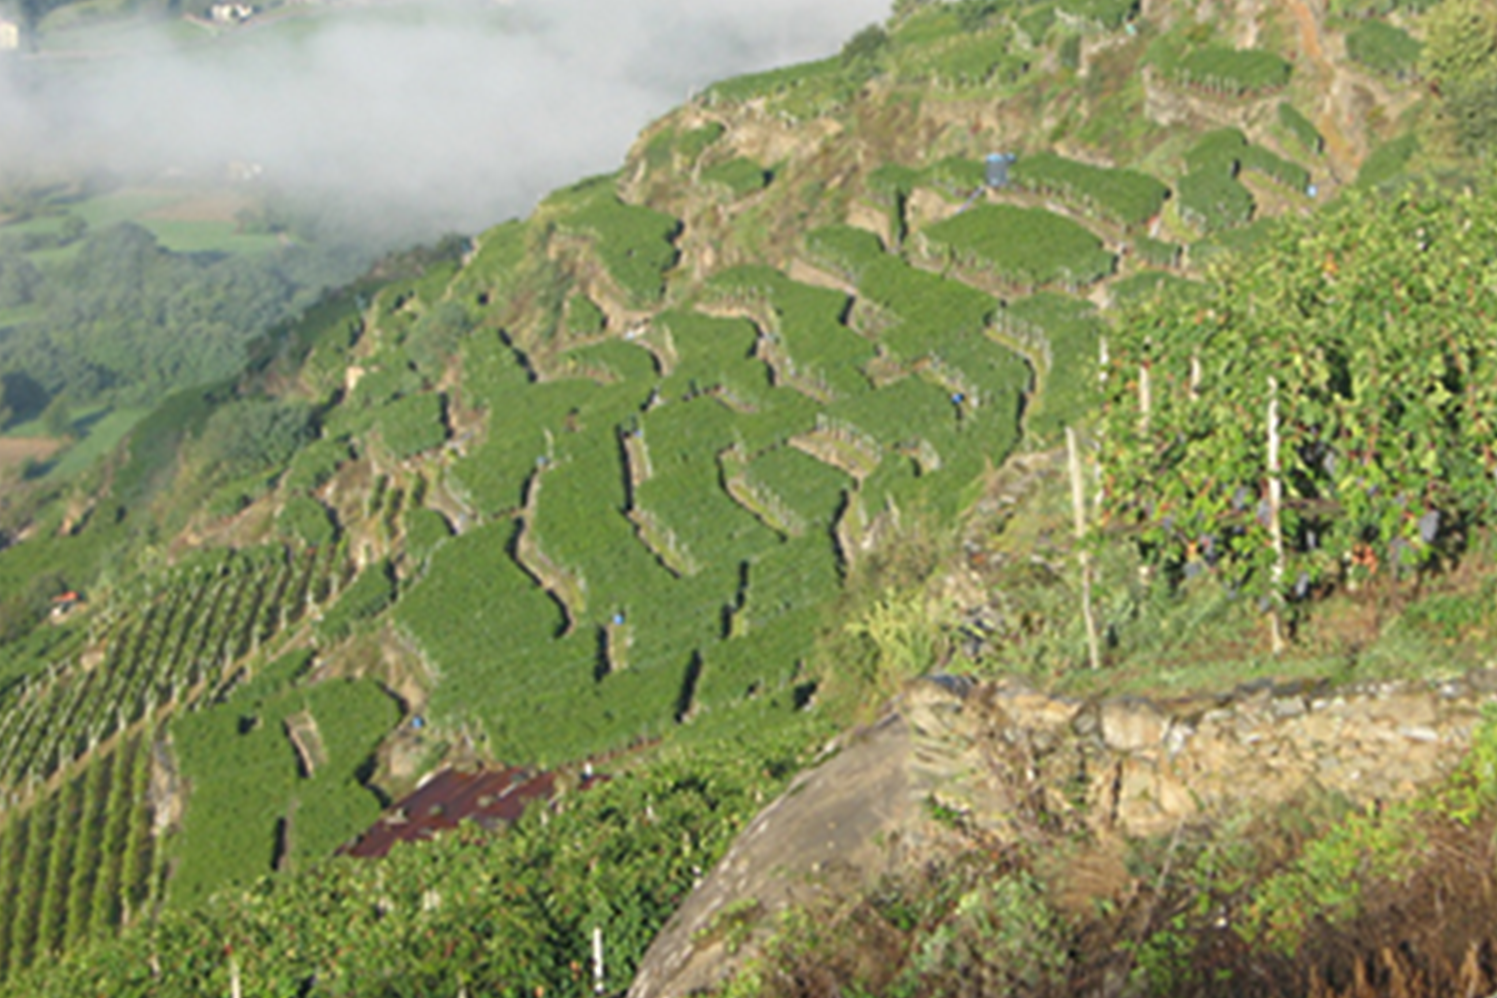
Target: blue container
997,168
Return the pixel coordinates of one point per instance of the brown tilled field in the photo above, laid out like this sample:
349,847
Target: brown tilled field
16,451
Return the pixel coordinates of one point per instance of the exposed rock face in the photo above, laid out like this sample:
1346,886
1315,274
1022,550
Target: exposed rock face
995,753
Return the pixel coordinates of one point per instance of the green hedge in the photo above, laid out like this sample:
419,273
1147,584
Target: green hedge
414,424
1301,128
306,520
1126,196
1382,48
635,244
366,597
740,176
1388,161
1108,15
582,316
1218,151
425,530
315,464
1276,168
1156,252
1214,200
1235,72
1028,246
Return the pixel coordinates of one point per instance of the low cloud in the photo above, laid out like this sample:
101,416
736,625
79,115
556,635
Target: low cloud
427,117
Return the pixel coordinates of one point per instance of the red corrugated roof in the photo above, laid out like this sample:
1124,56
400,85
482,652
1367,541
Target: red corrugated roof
489,797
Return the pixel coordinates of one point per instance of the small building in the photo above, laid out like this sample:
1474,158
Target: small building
10,35
230,13
65,604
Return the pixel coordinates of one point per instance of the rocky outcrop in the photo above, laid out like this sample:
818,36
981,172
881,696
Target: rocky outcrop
953,761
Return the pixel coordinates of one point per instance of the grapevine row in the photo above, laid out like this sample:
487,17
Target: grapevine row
206,618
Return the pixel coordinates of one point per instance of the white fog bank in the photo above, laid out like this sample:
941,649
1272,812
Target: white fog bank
440,117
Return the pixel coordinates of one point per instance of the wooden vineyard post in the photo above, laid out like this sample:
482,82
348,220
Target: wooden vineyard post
1145,398
1078,510
598,975
1275,503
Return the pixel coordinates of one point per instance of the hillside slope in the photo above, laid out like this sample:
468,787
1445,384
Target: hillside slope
720,448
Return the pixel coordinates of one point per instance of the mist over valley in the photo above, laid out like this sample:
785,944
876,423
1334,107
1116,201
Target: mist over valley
409,120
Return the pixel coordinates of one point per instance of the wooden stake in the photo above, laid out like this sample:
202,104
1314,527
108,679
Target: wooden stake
1275,503
1145,398
598,961
1078,511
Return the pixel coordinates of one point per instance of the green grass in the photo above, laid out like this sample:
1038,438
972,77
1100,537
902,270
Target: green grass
100,435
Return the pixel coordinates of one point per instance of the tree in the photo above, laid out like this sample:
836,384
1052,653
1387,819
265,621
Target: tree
57,418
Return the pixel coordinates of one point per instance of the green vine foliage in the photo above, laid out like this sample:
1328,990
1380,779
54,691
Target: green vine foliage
1377,323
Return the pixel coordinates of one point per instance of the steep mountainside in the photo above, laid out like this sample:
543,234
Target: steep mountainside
706,456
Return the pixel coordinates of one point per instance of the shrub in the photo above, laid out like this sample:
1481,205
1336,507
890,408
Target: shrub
1028,246
366,597
1277,168
1126,196
1301,127
1219,151
1156,252
315,464
306,520
1387,162
692,143
636,245
1107,15
1382,48
414,424
583,317
1214,200
425,530
741,176
1234,72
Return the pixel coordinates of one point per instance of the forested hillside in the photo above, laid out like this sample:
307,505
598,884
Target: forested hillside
1139,347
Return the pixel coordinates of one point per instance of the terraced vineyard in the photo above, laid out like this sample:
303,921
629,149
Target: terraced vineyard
605,474
212,611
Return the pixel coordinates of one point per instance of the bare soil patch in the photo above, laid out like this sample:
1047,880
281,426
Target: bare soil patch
16,451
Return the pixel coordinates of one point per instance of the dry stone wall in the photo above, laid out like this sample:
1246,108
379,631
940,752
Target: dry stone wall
994,756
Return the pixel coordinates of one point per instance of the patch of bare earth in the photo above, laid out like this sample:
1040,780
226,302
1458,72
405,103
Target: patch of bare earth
16,451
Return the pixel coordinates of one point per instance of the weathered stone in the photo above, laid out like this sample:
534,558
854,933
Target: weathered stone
993,754
1132,725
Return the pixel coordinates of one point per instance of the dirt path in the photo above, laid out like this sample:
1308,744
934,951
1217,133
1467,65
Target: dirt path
1342,152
